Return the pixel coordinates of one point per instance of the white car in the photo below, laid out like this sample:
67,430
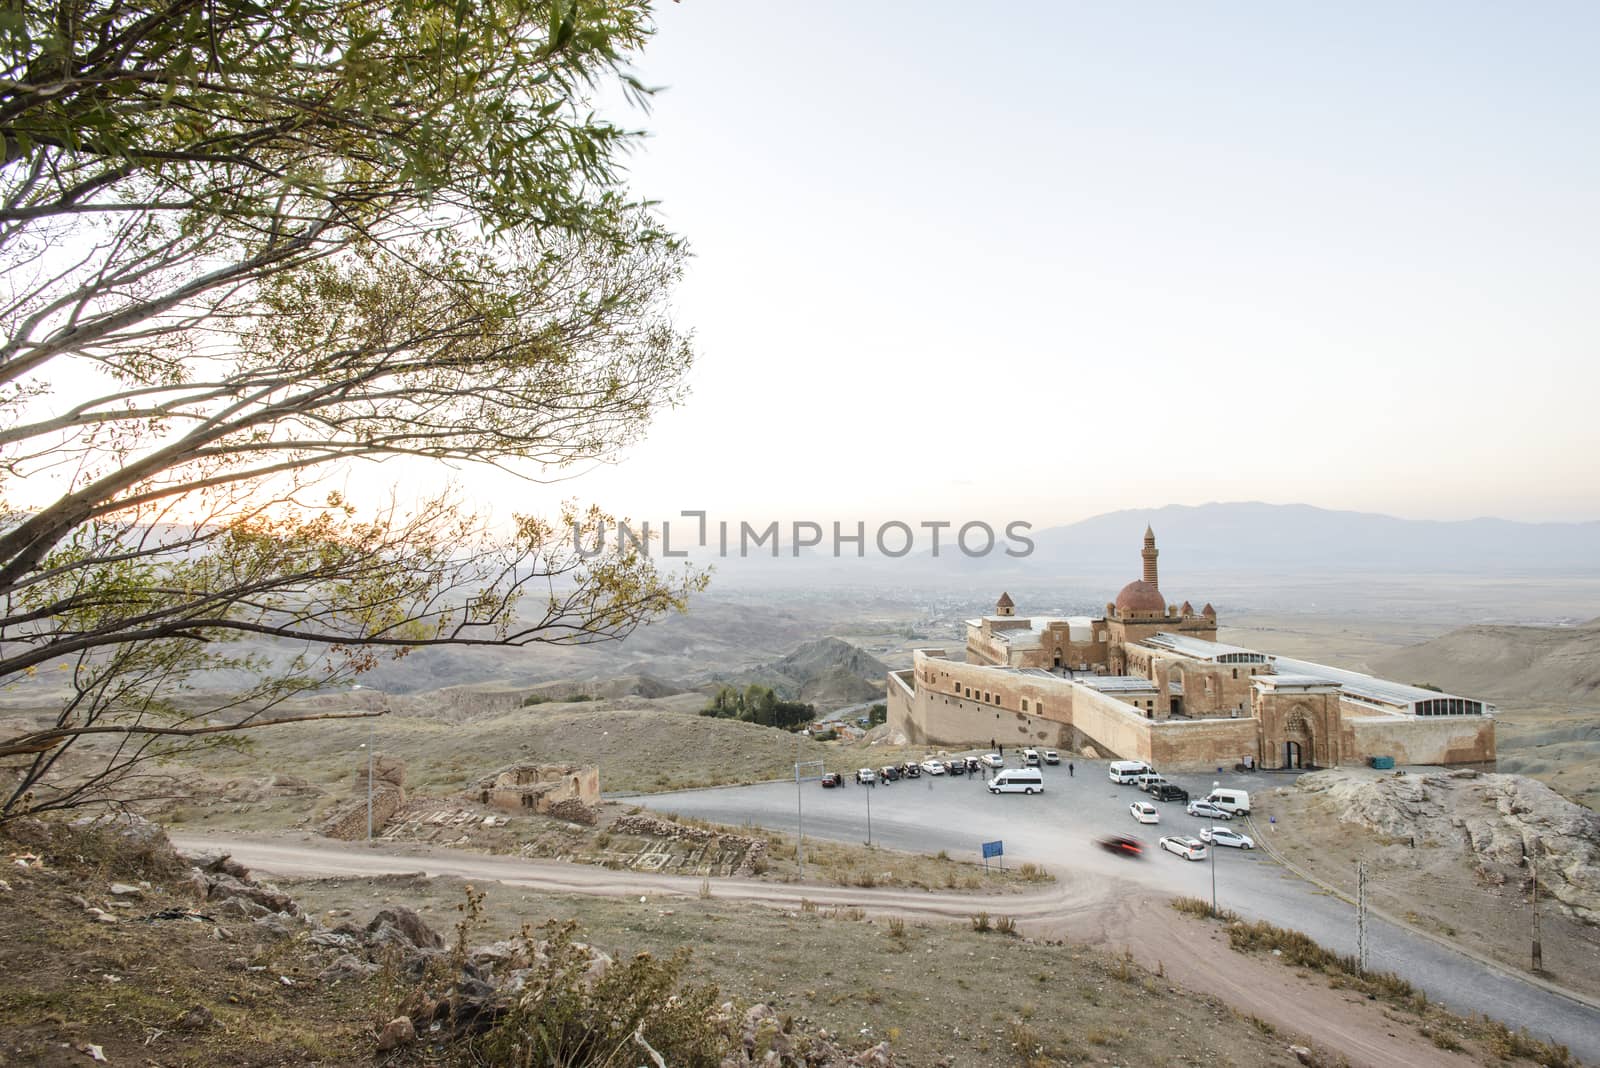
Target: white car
1144,812
866,776
1052,757
933,767
1223,836
1185,847
1030,757
992,760
1207,810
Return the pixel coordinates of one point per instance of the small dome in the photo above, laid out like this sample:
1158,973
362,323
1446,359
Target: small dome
1142,597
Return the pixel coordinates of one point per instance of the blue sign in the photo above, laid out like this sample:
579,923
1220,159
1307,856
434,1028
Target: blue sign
993,849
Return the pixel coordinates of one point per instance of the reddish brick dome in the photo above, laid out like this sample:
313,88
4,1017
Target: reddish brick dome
1141,596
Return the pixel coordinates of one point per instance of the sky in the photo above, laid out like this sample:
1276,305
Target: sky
1046,260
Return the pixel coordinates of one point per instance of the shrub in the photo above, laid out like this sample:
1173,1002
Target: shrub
1006,925
638,1004
980,922
897,927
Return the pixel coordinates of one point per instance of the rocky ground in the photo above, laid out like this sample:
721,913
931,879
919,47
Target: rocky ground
1449,852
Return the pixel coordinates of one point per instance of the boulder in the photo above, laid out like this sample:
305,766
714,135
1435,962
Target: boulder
346,966
396,1033
408,924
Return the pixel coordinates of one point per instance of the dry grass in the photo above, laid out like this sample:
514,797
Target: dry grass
1444,1029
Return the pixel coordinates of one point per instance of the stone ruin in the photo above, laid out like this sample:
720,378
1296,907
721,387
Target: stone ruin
566,791
388,782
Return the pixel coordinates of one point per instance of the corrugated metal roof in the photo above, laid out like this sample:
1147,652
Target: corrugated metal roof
1382,691
1197,648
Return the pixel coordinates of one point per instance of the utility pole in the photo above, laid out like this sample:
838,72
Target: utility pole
1213,852
869,814
1538,945
1361,917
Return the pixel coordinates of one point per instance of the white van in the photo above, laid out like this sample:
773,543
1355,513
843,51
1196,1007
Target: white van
1017,781
1126,771
1234,801
1030,757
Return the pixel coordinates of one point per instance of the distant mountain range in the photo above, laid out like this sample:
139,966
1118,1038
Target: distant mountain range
1225,537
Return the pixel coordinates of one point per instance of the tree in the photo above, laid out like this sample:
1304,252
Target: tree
246,246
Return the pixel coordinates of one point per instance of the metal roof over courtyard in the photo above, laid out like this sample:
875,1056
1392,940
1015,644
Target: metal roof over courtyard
1201,649
1367,687
1118,683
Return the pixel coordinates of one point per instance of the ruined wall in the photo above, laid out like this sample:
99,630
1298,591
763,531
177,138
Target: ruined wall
388,779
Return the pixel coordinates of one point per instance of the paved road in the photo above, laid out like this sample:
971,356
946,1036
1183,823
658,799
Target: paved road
1101,911
1056,829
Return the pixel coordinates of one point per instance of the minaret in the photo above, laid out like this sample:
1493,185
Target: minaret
1149,555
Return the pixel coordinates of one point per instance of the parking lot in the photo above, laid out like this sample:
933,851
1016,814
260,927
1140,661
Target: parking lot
957,813
1058,828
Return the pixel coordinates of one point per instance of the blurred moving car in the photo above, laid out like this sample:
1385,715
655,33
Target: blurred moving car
832,779
1226,836
1123,845
1144,812
1186,847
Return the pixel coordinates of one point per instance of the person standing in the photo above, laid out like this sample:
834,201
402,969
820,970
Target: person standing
1069,769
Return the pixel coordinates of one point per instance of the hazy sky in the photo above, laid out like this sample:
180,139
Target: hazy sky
1052,259
1044,260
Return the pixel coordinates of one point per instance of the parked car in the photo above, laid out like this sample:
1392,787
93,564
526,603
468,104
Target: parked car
1150,780
888,773
1126,771
1206,810
1030,757
1144,812
973,767
1186,847
1017,781
1052,757
832,779
1226,836
1123,845
1169,792
956,767
866,776
911,770
992,760
933,767
1234,801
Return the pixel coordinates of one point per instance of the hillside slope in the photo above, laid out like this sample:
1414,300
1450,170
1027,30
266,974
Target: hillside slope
1556,665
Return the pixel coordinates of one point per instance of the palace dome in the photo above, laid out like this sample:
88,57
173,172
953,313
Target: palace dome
1141,596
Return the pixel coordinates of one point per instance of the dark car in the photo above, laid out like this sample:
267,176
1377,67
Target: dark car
911,770
832,779
1169,792
956,767
888,773
1124,845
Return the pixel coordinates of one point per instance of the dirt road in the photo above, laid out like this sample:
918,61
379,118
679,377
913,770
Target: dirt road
1099,911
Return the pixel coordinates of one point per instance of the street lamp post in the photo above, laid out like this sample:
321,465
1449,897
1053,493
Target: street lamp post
1212,849
369,747
869,814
